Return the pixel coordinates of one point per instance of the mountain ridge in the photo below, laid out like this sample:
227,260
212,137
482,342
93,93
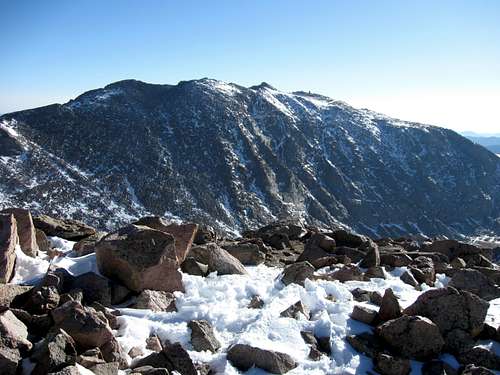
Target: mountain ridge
241,157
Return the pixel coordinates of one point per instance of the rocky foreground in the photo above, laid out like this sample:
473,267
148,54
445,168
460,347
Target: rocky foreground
165,297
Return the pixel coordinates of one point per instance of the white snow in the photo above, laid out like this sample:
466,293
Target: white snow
223,301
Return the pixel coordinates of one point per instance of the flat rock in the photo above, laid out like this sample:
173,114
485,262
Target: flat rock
244,357
364,314
68,229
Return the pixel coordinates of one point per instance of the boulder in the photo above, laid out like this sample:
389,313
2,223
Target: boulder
330,260
295,311
437,367
13,294
110,368
364,314
345,238
203,337
153,343
367,344
25,230
13,332
90,357
68,229
395,259
8,242
9,360
217,259
451,248
112,352
475,282
150,370
204,235
247,253
155,300
412,336
86,326
192,267
87,245
140,258
386,364
389,306
42,299
423,270
408,278
94,287
362,295
355,255
173,357
54,353
458,263
244,357
42,241
183,233
297,273
451,309
372,257
476,370
480,356
347,273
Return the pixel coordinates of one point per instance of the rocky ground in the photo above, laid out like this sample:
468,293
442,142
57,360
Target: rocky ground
157,297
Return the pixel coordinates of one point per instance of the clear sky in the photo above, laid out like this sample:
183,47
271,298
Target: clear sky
430,61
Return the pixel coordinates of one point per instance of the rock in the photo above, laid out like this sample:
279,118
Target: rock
217,259
395,260
135,352
412,336
372,257
458,341
105,368
476,370
437,367
183,233
68,229
451,309
25,230
179,359
480,356
354,254
364,314
203,337
153,343
344,238
451,248
83,324
324,344
42,299
389,306
140,258
347,273
68,370
94,287
386,364
8,243
9,360
407,278
90,358
361,295
87,245
295,311
13,332
458,263
55,352
42,241
12,294
475,282
192,267
155,300
149,370
112,352
246,252
330,260
423,270
244,357
297,273
375,272
488,333
367,344
204,235
256,303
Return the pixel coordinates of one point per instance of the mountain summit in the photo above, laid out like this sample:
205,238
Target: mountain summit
237,157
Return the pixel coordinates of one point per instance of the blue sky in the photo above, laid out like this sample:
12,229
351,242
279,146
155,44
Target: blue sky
428,61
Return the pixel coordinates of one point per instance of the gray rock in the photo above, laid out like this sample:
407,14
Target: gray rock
68,229
295,311
364,314
155,300
8,243
386,364
203,337
192,267
217,259
25,230
244,357
407,278
475,282
54,353
297,273
247,253
389,306
13,332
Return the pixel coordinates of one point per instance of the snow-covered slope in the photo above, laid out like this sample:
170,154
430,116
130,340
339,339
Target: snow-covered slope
237,157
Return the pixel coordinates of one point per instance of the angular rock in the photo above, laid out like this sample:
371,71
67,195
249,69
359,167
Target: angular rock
355,255
295,311
438,367
345,238
389,306
153,343
247,253
451,309
408,278
155,300
475,282
150,370
372,257
42,299
192,267
140,258
42,241
25,230
203,337
256,303
386,364
375,272
8,242
297,273
90,358
458,263
205,234
458,341
217,259
65,228
12,294
330,260
9,360
367,344
94,287
13,332
112,352
476,370
87,327
243,357
110,368
55,352
480,356
412,336
87,245
179,359
395,259
423,270
364,314
347,273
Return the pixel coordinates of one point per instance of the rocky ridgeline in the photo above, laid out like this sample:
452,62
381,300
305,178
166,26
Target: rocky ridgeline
66,320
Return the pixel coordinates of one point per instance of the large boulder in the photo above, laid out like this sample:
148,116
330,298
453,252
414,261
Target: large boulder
217,259
248,253
372,257
452,248
389,306
317,246
85,325
244,357
8,243
203,337
140,258
87,245
25,230
297,273
412,336
183,234
14,294
451,309
65,228
475,282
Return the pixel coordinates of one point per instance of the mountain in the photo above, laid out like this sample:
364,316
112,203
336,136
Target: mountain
489,142
237,157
